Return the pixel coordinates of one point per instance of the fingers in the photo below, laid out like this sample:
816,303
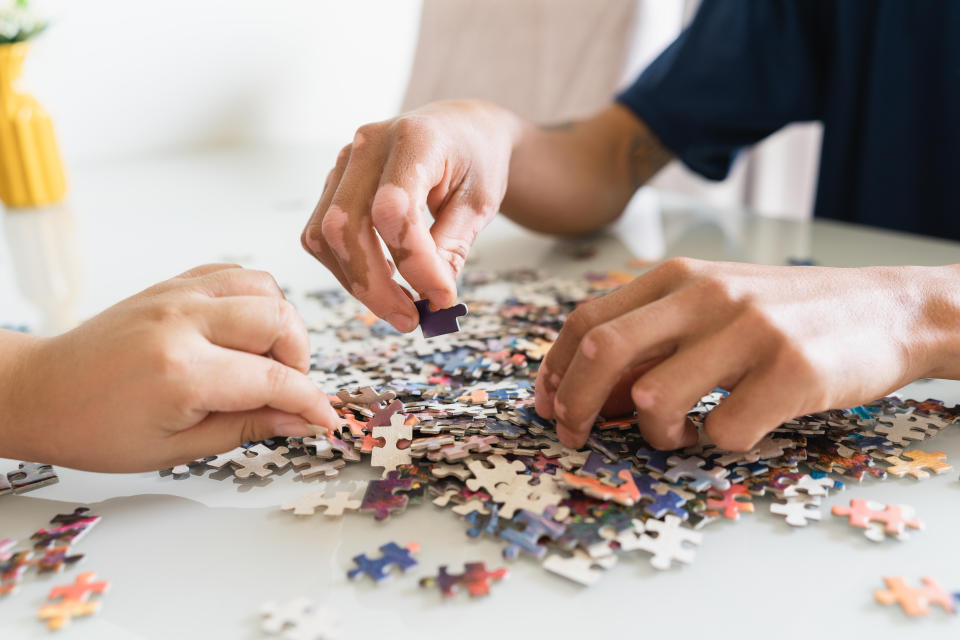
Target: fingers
583,319
226,380
257,324
348,230
457,225
204,269
221,432
237,282
664,395
758,404
604,354
312,237
397,216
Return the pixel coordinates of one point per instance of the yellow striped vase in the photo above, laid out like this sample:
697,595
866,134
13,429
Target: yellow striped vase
31,173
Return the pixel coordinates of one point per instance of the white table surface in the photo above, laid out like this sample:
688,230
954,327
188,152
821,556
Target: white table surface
197,557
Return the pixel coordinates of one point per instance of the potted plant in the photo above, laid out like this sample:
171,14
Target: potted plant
31,173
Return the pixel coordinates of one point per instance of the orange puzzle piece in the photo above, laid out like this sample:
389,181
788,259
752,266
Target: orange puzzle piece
915,601
920,461
626,494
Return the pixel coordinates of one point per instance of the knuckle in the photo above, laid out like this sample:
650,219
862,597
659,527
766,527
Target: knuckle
309,237
581,320
454,250
605,340
277,377
343,156
680,268
367,133
333,223
174,366
411,128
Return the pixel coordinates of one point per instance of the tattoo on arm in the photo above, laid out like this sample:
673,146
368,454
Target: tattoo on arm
559,126
645,156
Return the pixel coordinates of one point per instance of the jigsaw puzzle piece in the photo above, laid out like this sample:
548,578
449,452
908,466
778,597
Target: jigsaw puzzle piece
383,496
533,529
30,476
580,567
475,579
439,322
392,555
299,619
915,601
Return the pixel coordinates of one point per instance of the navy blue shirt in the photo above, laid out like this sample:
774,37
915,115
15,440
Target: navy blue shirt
882,75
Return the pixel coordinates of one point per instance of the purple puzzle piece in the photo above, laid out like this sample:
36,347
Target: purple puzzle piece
437,323
535,528
382,497
381,417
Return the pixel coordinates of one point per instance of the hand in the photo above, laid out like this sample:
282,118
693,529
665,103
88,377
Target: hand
191,367
450,157
785,341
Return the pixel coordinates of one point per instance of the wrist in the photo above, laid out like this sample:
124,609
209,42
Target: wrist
18,354
939,320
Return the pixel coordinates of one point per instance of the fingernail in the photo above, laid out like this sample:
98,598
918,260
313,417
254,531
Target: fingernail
402,322
439,298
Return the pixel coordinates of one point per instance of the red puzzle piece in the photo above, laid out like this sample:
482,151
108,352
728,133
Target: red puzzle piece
729,503
475,578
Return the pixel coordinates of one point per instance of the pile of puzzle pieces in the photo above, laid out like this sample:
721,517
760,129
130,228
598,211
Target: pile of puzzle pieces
51,552
451,420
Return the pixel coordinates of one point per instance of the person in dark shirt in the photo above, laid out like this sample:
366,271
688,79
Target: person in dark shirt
882,76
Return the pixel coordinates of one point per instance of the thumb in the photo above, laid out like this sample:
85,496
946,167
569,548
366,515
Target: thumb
456,228
222,431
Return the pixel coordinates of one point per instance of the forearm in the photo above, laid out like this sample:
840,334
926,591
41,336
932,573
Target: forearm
14,423
940,321
578,177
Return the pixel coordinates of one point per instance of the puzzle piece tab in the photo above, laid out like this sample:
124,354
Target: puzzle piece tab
439,322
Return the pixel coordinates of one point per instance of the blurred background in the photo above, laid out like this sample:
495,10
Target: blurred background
124,79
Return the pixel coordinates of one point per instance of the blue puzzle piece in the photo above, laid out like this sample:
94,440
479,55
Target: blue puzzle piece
377,568
597,462
484,523
535,528
439,322
653,459
669,502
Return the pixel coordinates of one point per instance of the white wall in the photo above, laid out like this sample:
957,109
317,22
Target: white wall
128,77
